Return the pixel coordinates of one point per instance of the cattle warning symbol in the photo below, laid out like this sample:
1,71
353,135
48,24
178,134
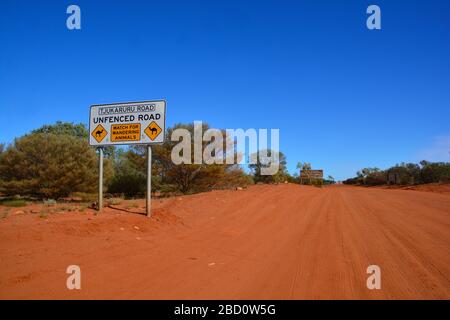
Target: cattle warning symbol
99,133
153,130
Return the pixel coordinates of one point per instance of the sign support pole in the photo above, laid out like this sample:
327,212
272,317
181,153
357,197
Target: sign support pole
100,180
149,181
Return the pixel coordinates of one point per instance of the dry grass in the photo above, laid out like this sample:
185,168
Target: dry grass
131,205
114,201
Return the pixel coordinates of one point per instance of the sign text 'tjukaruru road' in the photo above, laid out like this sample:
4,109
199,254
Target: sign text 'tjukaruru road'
127,123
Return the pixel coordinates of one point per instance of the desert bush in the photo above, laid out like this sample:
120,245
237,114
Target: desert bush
130,170
375,178
64,128
168,188
129,184
435,172
14,203
189,178
129,174
355,180
408,173
78,130
49,165
256,168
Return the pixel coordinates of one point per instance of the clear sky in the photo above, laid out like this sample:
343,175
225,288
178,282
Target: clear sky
344,97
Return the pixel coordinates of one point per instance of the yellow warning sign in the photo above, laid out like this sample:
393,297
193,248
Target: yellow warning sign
125,132
153,130
99,133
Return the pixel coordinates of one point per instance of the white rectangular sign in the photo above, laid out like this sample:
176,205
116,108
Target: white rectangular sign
127,123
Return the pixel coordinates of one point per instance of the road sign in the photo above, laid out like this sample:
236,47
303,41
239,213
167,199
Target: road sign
127,123
99,133
153,130
125,132
311,174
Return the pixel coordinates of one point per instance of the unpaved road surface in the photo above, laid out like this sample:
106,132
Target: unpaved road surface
268,242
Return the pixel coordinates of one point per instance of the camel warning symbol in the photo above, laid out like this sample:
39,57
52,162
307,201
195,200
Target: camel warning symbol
153,130
99,133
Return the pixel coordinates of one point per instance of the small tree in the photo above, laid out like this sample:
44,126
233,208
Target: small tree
128,178
49,165
78,130
304,166
434,172
64,128
265,162
185,178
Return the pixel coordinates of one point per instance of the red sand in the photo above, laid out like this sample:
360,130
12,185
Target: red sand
268,242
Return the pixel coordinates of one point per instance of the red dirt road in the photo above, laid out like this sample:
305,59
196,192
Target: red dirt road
268,242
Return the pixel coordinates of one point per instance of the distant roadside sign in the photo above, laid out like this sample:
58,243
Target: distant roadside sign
127,123
311,174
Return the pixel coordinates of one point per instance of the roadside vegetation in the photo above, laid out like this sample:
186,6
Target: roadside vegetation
404,174
15,203
51,162
130,171
56,162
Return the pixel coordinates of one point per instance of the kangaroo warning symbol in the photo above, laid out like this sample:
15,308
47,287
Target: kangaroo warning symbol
99,133
127,123
153,130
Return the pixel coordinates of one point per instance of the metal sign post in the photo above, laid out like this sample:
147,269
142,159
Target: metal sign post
148,201
100,180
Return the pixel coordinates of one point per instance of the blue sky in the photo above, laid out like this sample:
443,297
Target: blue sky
344,97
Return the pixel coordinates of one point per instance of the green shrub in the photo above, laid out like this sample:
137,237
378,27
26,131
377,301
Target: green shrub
130,184
14,203
407,173
46,164
167,188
